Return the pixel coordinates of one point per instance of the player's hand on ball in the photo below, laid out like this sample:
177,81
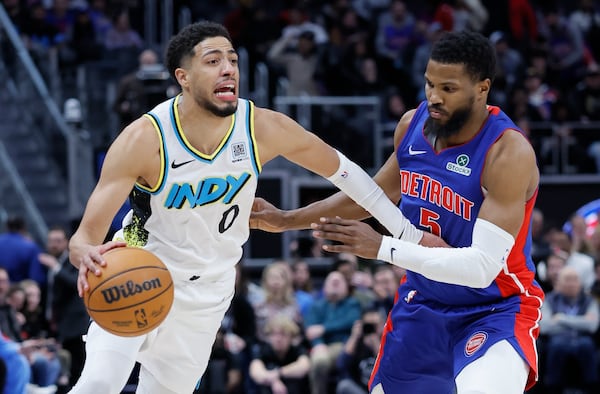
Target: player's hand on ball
355,236
90,260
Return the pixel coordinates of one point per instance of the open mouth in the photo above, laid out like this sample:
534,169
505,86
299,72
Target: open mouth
226,90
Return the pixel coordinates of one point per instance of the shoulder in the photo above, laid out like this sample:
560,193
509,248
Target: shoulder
402,125
141,134
267,119
512,146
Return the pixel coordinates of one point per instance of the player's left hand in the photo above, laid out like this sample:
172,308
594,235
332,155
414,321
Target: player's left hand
356,237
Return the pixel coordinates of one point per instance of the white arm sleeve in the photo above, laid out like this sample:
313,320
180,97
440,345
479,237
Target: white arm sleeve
474,266
359,186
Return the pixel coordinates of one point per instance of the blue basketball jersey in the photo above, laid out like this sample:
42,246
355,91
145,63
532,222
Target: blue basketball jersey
442,194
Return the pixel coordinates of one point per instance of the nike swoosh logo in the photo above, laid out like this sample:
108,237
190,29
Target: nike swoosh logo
177,165
392,250
415,152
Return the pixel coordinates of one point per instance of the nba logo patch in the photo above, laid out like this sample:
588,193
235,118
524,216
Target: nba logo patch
475,343
238,151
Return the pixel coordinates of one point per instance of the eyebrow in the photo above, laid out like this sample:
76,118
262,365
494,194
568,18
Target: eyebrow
213,51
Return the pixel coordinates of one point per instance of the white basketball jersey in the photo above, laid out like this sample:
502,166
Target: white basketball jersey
196,218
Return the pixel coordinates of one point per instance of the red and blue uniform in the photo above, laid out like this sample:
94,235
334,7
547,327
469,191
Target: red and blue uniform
435,329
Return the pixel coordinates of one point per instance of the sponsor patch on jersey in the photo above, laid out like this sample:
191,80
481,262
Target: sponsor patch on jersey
239,151
475,343
460,167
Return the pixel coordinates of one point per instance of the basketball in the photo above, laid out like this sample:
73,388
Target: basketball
134,293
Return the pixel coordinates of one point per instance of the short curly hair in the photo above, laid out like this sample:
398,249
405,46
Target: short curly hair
469,48
182,44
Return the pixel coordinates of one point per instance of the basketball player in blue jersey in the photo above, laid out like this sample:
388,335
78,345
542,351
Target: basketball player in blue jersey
193,164
465,318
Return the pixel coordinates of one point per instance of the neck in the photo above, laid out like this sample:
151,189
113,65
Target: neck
466,132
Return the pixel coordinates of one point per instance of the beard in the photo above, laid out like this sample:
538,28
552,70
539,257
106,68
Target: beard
228,109
452,126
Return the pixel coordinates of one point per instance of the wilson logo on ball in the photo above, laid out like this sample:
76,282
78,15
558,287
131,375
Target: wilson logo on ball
128,289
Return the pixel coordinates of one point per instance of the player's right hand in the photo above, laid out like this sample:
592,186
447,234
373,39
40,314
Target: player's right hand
90,260
267,217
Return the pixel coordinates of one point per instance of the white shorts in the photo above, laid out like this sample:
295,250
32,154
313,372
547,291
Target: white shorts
177,352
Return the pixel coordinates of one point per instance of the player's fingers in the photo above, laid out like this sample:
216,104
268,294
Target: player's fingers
335,220
82,283
105,248
330,235
339,248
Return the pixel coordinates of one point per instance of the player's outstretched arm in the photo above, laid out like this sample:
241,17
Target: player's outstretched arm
277,134
510,179
129,159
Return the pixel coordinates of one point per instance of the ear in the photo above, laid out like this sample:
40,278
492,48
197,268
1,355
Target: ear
182,77
484,87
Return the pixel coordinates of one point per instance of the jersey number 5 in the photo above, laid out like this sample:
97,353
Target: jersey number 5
429,219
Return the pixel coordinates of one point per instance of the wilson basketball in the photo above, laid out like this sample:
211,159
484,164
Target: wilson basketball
134,293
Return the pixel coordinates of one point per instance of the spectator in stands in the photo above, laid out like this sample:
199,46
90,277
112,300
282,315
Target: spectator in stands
36,325
583,264
357,360
510,67
347,265
586,18
19,253
139,91
100,19
279,297
122,46
61,16
303,286
540,248
224,371
385,285
394,42
580,235
541,96
239,323
18,371
121,35
570,317
328,326
82,38
9,322
585,98
549,268
68,312
17,298
278,366
469,15
296,52
565,46
419,64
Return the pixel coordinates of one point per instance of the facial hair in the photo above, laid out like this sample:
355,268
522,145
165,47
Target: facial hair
433,128
223,112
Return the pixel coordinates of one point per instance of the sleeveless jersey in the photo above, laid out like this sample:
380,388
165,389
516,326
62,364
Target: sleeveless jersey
442,193
196,217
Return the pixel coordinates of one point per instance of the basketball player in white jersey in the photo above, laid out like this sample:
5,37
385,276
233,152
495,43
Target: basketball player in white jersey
192,165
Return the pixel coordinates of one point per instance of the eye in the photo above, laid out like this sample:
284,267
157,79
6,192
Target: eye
213,61
449,89
234,61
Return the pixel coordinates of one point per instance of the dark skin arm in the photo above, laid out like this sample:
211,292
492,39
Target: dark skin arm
510,178
267,217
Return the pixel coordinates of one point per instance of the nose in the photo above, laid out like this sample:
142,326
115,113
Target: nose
433,97
228,68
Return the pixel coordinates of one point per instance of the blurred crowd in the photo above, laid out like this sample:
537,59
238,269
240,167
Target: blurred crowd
291,328
291,331
548,79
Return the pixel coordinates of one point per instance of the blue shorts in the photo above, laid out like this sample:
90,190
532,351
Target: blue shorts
425,344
